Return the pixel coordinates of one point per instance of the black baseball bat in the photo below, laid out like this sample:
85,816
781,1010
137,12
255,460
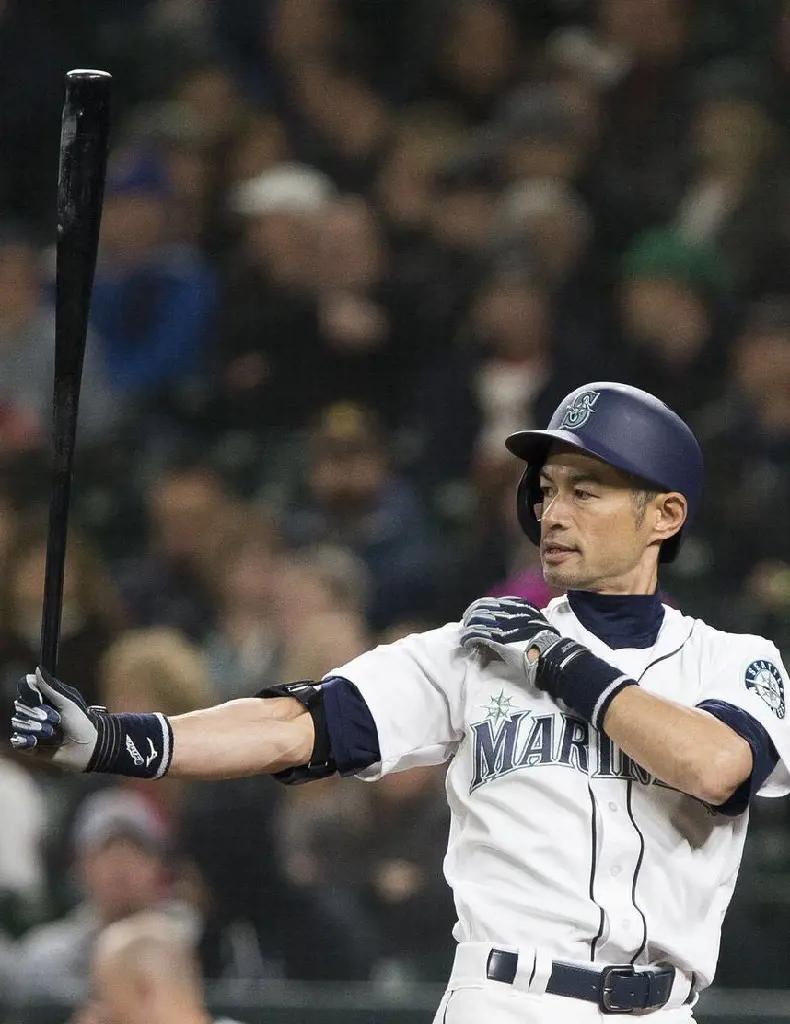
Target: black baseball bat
81,172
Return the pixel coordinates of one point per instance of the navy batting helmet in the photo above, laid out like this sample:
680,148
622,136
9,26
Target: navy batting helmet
627,428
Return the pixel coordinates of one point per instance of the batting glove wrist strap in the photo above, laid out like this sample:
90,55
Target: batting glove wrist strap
137,746
586,683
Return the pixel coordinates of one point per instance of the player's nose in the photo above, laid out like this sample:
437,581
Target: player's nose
553,513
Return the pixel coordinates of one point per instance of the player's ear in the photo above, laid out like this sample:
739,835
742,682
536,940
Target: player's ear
670,513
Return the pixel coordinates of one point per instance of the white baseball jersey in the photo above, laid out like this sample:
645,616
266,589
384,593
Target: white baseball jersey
558,841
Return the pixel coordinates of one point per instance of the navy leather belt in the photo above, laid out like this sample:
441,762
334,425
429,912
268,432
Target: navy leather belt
618,988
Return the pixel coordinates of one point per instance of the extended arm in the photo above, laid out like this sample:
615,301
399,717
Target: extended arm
250,736
243,737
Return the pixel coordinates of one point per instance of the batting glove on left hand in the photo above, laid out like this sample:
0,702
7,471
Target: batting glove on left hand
499,623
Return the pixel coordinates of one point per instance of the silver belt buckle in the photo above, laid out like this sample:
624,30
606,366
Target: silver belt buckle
607,974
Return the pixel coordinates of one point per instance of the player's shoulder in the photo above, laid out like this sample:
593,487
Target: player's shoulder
726,653
679,628
729,641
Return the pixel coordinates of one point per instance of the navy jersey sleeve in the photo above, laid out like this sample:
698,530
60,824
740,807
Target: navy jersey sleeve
353,736
764,754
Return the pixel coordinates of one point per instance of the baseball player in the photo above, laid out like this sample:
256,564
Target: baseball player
602,754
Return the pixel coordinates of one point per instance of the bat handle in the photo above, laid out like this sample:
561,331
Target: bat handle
54,570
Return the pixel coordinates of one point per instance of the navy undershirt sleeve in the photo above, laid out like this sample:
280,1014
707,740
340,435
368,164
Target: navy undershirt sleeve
353,736
764,753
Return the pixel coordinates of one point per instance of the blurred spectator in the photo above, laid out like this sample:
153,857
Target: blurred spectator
673,319
352,495
154,668
27,347
318,579
551,216
22,880
259,143
243,651
268,375
144,971
321,601
153,301
92,610
463,193
267,40
371,343
210,92
189,507
738,197
120,866
187,150
540,132
510,367
383,846
746,439
423,139
477,57
341,124
646,49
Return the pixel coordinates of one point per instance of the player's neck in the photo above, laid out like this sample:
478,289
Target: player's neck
620,620
641,580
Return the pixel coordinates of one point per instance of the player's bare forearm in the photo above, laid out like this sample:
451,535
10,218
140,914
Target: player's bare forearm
684,747
250,736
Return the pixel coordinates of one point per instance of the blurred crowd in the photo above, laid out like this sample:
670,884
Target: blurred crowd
346,247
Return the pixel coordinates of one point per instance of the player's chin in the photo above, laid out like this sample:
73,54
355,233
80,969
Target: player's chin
561,577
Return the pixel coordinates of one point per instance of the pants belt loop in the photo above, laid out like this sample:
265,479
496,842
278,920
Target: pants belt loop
540,965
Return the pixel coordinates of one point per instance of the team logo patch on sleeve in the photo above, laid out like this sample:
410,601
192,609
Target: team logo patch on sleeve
766,680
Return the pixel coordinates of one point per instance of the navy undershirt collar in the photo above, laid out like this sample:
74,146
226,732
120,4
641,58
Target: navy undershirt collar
620,620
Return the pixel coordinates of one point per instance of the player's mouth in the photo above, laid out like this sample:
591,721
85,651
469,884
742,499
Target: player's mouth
556,553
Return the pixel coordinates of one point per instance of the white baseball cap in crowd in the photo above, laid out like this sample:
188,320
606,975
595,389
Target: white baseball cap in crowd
287,187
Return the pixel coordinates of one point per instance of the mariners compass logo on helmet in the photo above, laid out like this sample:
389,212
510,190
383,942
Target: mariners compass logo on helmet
766,680
580,410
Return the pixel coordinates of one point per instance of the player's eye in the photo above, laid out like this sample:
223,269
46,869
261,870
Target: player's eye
582,495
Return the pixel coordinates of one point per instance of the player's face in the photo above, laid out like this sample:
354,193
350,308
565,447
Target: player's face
595,535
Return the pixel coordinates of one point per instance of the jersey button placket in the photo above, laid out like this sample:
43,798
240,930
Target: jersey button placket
619,850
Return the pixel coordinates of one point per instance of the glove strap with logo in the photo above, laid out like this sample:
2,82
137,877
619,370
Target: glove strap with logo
586,683
137,746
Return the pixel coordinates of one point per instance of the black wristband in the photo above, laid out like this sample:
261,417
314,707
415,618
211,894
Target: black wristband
137,746
586,683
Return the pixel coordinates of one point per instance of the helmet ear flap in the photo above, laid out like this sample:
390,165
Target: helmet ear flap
527,496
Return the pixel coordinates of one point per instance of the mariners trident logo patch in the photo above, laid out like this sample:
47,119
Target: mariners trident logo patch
580,410
766,680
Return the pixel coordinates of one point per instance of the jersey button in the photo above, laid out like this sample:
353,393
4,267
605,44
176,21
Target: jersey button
612,805
616,870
